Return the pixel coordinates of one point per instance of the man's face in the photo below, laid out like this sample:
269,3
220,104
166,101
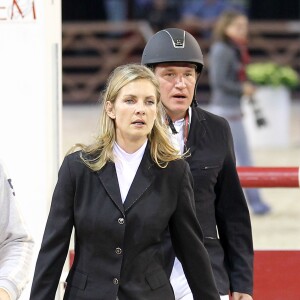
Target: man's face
177,84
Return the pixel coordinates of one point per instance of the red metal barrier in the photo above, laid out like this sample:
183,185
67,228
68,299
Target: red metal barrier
276,275
269,177
276,272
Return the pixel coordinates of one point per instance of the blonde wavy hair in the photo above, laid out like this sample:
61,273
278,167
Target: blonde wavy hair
97,154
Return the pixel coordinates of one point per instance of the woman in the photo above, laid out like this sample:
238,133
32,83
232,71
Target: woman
122,195
228,81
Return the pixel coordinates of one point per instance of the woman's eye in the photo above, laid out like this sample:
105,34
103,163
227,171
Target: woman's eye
129,101
150,102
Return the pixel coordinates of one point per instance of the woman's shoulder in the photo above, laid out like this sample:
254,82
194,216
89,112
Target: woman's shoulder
221,46
74,160
70,157
74,164
177,167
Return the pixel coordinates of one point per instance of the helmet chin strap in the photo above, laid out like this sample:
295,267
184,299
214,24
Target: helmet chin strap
171,125
194,101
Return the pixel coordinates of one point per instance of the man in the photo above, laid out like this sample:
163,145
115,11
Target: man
177,60
16,244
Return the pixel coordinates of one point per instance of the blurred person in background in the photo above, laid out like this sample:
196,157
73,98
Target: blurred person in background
176,59
204,10
116,10
159,13
16,244
162,13
122,194
207,12
228,58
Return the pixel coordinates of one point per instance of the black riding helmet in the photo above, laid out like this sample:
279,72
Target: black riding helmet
173,45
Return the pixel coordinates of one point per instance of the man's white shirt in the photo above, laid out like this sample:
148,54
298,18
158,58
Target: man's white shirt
178,279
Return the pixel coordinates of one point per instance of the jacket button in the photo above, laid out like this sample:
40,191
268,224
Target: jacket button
115,281
121,221
118,250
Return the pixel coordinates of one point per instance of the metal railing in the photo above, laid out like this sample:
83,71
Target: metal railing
269,177
91,50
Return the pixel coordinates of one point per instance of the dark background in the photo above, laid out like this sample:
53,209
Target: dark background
257,9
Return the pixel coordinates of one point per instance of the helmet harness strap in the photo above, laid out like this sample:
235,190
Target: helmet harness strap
194,101
186,126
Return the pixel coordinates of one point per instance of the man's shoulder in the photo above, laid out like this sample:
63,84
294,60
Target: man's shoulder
201,114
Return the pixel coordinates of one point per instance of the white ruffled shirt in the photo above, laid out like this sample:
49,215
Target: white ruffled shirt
126,167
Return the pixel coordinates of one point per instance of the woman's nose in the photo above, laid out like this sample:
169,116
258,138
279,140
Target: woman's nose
140,110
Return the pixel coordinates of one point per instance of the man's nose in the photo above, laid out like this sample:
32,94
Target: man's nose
180,82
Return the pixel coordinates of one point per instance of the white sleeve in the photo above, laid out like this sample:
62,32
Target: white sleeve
16,244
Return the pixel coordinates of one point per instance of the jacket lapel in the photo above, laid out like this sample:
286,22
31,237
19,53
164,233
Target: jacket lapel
196,132
109,179
142,180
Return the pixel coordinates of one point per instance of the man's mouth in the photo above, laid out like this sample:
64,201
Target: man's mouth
179,96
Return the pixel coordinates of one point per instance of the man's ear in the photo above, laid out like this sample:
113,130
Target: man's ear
109,108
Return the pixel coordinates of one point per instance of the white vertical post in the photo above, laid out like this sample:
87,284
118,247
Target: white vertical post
30,104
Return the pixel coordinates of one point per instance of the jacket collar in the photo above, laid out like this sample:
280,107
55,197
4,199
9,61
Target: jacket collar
197,128
109,179
141,182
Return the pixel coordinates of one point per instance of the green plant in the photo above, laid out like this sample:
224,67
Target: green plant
272,74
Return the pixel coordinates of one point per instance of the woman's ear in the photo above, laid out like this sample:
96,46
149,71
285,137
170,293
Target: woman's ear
109,108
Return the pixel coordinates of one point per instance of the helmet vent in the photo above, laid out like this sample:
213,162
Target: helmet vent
177,41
